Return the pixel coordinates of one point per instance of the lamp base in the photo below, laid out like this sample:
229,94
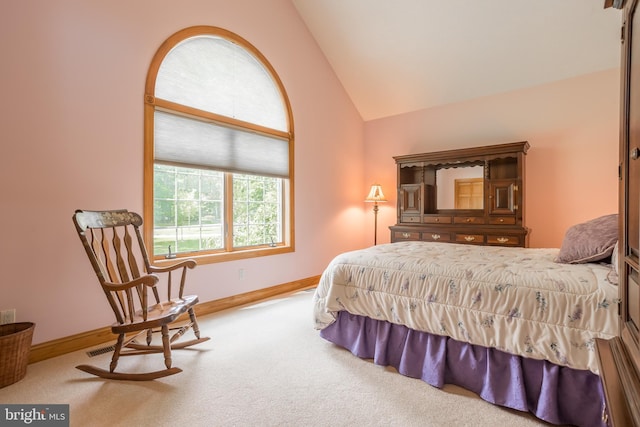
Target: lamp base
375,223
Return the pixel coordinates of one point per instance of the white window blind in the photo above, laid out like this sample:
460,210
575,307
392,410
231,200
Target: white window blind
214,74
194,143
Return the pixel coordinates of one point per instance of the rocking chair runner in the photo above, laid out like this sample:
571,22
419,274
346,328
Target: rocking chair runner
132,292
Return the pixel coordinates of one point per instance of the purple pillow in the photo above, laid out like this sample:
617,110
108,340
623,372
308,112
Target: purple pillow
590,241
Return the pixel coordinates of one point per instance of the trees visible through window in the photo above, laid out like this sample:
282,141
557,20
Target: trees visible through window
218,150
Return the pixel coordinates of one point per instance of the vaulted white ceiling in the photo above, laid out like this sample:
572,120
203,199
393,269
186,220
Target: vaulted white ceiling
397,56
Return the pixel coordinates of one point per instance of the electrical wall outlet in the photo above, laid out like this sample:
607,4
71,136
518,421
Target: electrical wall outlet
7,316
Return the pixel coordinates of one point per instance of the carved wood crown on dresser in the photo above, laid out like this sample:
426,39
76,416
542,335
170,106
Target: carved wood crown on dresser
471,195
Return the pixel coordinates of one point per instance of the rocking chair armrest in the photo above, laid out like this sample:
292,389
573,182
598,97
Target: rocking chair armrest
148,280
189,263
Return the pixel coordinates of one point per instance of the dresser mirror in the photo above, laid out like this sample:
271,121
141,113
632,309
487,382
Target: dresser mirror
460,187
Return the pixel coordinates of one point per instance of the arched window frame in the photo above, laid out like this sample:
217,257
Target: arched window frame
153,104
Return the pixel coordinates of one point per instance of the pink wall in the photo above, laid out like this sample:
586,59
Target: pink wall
572,127
72,81
71,127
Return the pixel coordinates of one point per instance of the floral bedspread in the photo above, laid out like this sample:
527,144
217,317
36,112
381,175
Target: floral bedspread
517,300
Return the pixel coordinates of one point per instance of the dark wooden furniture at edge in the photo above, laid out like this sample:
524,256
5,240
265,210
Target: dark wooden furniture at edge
437,201
619,358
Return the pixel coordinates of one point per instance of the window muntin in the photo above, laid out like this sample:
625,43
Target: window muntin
218,150
257,213
188,207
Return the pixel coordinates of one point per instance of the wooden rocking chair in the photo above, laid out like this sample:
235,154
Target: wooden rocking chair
132,292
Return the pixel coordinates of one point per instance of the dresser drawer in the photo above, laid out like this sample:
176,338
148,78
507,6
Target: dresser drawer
436,236
470,238
405,235
468,220
437,220
507,220
410,218
504,240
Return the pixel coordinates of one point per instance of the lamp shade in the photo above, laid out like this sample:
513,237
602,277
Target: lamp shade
375,194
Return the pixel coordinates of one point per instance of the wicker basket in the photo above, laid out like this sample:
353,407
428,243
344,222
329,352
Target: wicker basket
15,345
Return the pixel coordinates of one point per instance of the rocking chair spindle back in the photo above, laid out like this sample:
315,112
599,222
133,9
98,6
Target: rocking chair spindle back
126,275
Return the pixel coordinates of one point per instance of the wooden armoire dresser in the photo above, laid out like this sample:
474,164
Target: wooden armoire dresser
470,195
619,358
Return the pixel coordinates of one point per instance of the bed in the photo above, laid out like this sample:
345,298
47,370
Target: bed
510,324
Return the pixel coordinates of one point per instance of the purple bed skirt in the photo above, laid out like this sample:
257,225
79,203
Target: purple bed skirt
556,394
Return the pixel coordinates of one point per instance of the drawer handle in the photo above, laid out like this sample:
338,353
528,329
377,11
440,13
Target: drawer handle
437,219
503,239
435,236
406,235
501,219
468,219
469,238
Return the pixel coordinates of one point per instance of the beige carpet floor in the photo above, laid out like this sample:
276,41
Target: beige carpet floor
265,365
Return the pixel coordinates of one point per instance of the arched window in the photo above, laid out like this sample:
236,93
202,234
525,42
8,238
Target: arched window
218,169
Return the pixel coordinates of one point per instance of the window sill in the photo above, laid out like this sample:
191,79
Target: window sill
225,256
